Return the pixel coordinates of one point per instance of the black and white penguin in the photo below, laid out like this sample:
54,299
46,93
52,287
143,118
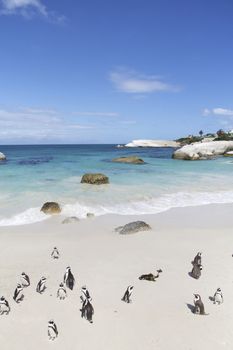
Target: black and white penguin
41,285
218,297
127,294
197,259
18,294
85,294
69,279
150,276
198,305
4,306
85,297
55,253
196,271
52,330
61,292
87,311
25,281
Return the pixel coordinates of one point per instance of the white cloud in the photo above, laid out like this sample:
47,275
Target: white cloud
28,8
221,112
134,83
36,125
96,114
224,116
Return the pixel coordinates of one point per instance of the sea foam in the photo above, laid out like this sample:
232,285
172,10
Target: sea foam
146,206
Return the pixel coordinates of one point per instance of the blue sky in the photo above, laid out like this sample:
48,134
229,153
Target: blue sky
105,71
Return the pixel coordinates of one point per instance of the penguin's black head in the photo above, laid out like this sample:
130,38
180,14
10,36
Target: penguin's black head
197,296
2,298
61,285
219,289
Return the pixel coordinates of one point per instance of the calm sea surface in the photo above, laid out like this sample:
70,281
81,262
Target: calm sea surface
33,175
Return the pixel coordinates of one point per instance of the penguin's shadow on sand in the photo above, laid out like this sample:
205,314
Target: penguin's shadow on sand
191,307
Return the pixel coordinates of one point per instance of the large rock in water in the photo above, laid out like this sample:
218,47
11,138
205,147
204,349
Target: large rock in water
153,143
51,208
133,227
203,150
130,159
95,179
2,156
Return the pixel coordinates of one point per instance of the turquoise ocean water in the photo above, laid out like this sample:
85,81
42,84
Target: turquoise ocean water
33,175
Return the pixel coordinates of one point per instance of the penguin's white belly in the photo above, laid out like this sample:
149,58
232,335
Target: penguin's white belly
4,309
19,297
24,282
42,288
51,333
61,294
218,298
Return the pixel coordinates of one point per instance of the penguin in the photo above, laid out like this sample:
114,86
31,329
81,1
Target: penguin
25,281
61,292
55,253
4,306
127,294
18,295
41,285
85,294
196,271
69,279
85,297
150,276
88,311
198,305
52,330
197,259
218,297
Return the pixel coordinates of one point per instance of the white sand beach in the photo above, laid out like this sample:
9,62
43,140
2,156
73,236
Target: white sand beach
107,262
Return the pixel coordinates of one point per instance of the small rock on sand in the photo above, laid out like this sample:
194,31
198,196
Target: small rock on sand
133,227
70,220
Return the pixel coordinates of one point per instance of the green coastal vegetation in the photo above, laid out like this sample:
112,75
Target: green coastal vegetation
220,135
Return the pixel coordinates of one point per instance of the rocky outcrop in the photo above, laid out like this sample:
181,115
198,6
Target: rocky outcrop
133,227
51,208
95,179
203,150
153,143
2,156
70,220
228,154
130,160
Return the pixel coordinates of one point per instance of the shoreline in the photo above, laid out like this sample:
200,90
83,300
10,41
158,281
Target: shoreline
60,217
